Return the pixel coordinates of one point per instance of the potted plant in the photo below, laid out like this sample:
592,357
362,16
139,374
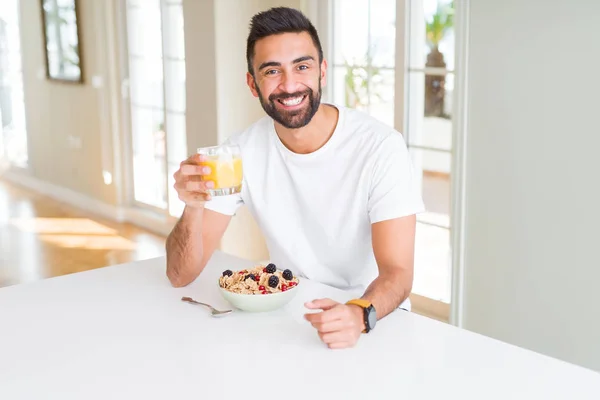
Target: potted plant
436,28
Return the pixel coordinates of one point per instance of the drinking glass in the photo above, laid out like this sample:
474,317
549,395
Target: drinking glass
225,163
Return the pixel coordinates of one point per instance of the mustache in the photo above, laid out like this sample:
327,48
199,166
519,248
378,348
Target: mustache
285,96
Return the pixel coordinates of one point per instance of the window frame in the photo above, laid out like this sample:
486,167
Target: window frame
128,105
322,13
4,158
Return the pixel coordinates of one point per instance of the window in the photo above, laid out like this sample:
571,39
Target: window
157,100
364,56
13,133
365,64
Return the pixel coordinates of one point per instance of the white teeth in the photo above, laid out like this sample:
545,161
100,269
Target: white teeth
292,102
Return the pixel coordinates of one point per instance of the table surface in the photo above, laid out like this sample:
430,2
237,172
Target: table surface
122,332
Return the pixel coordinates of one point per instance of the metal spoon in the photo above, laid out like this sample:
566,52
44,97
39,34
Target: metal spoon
214,311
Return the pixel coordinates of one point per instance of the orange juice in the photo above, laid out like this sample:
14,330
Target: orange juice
224,173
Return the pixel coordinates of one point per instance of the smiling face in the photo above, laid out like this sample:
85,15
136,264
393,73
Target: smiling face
288,78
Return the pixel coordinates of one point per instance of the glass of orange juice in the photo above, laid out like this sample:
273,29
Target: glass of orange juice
225,164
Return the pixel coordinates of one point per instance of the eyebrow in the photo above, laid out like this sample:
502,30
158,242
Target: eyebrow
278,64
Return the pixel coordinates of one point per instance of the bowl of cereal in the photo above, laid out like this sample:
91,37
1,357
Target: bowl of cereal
258,289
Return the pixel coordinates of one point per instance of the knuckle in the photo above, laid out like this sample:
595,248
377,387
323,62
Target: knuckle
188,170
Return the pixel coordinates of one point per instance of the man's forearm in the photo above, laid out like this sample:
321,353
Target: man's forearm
184,248
388,291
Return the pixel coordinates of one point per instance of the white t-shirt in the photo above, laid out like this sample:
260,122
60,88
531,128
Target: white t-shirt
316,210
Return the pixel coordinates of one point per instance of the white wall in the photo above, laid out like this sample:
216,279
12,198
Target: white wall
68,125
200,64
532,187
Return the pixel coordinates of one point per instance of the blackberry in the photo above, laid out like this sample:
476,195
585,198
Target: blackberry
249,276
287,275
271,268
273,281
227,272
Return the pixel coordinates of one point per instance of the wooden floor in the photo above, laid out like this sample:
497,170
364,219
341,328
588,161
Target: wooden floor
42,238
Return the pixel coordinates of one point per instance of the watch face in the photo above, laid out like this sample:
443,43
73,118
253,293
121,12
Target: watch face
372,317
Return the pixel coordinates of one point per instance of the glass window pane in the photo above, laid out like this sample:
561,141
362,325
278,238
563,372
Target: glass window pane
175,85
433,276
429,110
381,91
144,29
438,95
174,42
149,169
176,138
433,169
350,87
176,206
364,54
146,82
157,84
432,34
383,32
350,31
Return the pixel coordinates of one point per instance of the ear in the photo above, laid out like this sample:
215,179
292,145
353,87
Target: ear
324,73
251,84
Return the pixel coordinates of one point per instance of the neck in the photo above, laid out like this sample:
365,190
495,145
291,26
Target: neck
313,136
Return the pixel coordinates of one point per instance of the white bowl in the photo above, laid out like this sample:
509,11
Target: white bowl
259,302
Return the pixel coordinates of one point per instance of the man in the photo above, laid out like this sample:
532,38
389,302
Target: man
331,188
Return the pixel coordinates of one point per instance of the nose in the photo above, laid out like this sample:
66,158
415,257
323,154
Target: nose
288,84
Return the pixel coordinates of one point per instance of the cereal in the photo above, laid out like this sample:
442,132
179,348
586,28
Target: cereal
257,280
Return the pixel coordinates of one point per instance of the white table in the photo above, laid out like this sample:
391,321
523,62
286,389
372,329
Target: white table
122,333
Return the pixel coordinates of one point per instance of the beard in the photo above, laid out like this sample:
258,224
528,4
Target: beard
293,119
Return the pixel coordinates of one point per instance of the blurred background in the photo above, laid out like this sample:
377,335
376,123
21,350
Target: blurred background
101,100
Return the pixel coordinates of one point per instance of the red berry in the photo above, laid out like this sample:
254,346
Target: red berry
283,288
264,291
256,278
265,269
261,287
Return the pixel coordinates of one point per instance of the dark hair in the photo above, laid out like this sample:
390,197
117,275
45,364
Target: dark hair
275,21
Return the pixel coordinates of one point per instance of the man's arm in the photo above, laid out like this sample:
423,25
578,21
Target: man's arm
192,242
340,325
196,235
393,246
394,191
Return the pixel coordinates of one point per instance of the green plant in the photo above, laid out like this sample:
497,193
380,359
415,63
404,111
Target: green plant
440,23
359,81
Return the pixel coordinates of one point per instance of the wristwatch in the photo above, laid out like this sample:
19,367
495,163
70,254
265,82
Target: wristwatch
370,315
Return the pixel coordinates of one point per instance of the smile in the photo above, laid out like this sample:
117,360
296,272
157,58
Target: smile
291,102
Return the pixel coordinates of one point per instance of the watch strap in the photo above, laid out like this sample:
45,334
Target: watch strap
360,302
364,304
